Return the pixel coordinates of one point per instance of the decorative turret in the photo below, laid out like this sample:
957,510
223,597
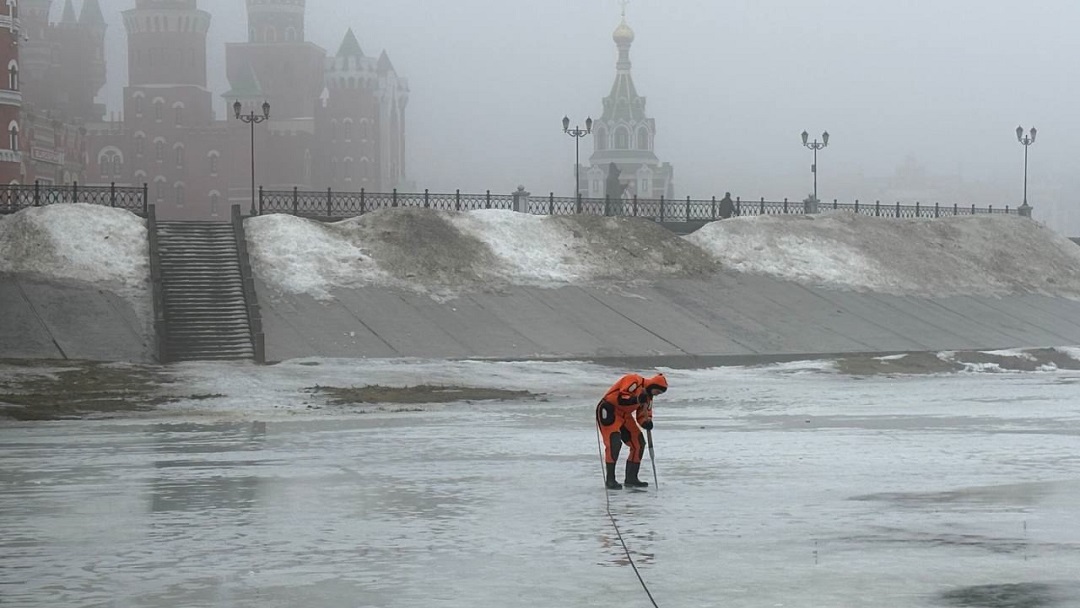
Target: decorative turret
68,17
273,21
350,68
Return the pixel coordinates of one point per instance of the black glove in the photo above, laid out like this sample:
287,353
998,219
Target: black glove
644,398
647,425
624,433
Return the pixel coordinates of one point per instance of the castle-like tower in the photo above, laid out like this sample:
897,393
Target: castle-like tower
625,135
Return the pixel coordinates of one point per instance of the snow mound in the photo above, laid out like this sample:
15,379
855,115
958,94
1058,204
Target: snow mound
78,241
443,253
965,255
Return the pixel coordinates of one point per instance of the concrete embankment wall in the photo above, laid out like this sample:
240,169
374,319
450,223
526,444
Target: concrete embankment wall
43,319
731,315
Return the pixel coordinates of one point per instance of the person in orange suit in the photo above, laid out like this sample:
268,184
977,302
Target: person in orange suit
626,409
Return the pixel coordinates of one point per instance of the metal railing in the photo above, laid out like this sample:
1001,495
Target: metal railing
15,197
330,204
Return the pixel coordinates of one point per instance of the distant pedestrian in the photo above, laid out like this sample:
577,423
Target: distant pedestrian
727,207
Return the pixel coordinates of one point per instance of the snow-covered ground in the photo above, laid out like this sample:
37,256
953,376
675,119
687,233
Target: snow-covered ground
82,242
784,485
965,255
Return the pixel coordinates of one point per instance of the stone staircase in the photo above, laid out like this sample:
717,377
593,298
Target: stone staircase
205,309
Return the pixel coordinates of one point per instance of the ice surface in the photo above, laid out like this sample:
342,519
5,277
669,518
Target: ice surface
787,485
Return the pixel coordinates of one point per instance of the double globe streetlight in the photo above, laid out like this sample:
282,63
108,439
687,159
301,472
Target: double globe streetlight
252,119
1026,140
815,146
577,133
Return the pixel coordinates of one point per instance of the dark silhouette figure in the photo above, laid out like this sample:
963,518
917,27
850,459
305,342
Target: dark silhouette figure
727,207
614,189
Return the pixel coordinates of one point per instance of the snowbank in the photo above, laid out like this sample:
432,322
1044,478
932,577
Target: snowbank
966,255
81,242
445,253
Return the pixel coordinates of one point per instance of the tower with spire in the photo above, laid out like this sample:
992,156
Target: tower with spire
624,136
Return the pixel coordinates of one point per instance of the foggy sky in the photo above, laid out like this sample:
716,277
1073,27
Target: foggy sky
937,86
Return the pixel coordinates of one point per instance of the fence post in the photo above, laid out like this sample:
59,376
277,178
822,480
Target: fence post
37,193
295,200
836,203
937,210
112,194
578,206
762,205
857,208
395,199
427,202
661,208
607,204
551,203
363,201
260,200
918,209
457,200
687,208
990,210
329,203
972,208
712,212
634,206
785,206
487,201
74,192
738,205
145,199
897,209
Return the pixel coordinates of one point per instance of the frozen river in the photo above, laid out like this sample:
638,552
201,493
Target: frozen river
789,485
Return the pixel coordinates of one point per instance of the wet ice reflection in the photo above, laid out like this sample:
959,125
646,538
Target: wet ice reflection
786,489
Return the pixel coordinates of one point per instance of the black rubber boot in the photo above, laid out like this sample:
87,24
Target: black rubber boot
610,482
632,481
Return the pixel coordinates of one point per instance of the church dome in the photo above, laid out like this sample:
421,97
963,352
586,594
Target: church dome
623,34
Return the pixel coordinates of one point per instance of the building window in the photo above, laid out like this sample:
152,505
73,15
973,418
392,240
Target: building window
139,104
178,115
178,191
180,157
161,191
290,34
110,162
159,151
215,202
159,110
140,145
622,138
13,136
348,129
643,139
214,163
13,76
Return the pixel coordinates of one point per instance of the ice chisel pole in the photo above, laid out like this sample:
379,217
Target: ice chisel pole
652,459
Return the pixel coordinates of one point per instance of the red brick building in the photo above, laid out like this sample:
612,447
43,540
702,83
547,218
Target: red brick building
335,122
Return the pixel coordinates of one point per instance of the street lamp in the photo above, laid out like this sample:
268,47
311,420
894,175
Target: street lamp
1026,141
577,133
815,146
252,119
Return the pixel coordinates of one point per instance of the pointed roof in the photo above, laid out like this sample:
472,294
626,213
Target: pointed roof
245,84
350,46
624,102
384,64
91,13
69,13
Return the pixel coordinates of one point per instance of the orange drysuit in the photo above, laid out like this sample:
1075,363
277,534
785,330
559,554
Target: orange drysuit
624,410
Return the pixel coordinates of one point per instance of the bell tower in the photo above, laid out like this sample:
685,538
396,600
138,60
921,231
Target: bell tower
272,21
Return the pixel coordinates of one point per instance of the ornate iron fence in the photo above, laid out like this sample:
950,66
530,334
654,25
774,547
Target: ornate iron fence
14,197
336,204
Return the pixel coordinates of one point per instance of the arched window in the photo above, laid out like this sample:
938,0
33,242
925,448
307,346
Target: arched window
13,136
179,150
271,34
215,202
214,158
178,193
366,129
159,188
159,150
13,75
290,34
111,162
138,98
622,138
348,166
347,128
159,109
600,138
140,144
365,169
178,113
642,138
